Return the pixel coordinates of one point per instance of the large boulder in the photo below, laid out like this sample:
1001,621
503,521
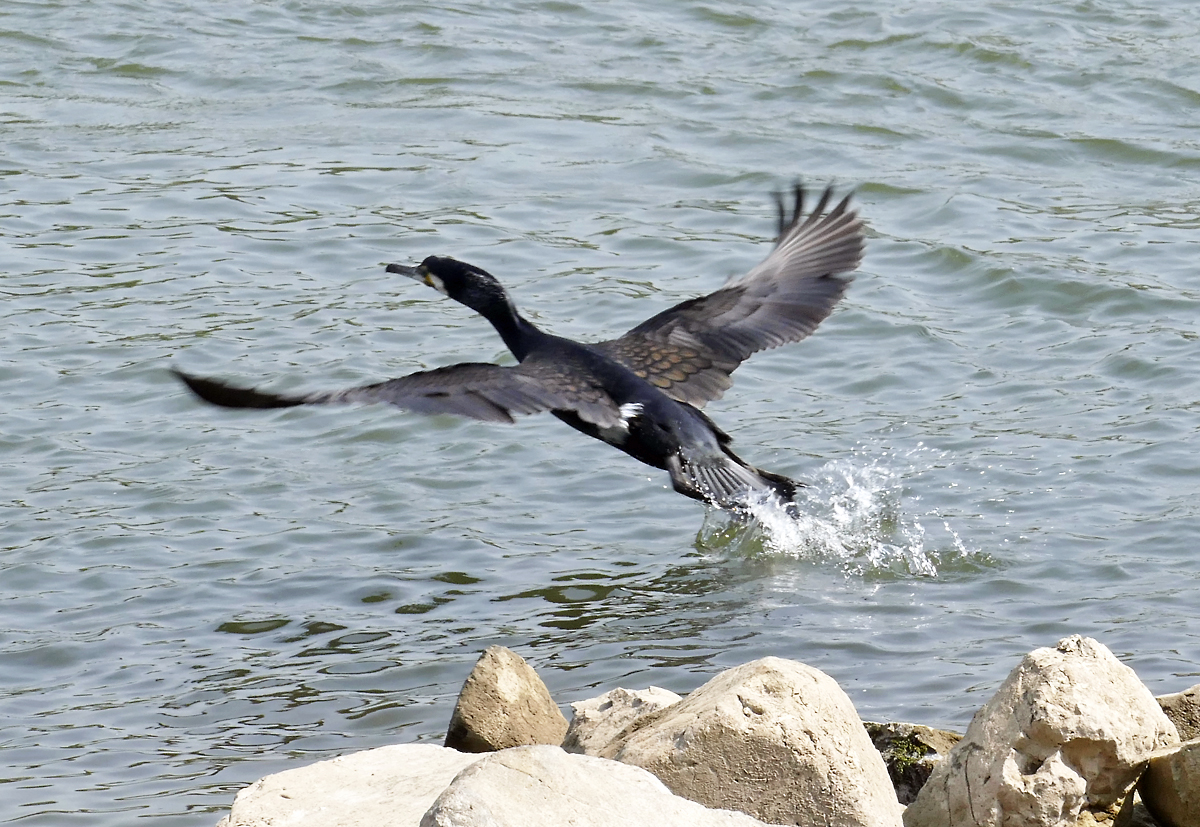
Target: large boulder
773,738
503,703
547,787
1183,708
910,752
1170,787
385,787
597,722
1062,741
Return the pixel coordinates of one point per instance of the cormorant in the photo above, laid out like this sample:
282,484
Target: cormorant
641,392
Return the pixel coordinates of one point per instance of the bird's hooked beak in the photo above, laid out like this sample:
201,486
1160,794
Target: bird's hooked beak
419,273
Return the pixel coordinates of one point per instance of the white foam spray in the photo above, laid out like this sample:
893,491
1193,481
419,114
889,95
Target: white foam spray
862,512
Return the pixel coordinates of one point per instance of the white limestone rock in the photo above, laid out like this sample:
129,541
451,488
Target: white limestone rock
597,722
503,703
385,787
542,786
1065,737
1170,787
773,738
1183,708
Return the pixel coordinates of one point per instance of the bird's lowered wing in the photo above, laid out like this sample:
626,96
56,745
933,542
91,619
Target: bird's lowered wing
492,393
690,350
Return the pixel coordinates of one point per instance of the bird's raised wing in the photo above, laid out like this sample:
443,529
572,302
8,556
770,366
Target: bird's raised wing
690,350
478,390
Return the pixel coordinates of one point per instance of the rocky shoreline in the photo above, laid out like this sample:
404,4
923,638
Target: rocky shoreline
1071,738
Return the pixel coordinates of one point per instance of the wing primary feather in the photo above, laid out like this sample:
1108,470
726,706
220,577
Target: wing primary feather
476,390
230,396
479,390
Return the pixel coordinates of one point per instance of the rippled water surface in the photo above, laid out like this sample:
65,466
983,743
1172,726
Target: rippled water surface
997,425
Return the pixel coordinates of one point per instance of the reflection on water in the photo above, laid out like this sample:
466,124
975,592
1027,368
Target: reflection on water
857,511
678,602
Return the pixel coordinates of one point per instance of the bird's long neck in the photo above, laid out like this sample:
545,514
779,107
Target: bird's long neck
518,333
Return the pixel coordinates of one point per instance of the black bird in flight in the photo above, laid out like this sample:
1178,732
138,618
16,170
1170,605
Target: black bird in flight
641,392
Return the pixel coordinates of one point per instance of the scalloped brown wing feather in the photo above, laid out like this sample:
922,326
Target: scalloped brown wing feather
690,350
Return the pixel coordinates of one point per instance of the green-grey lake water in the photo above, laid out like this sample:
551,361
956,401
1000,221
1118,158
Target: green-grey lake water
998,424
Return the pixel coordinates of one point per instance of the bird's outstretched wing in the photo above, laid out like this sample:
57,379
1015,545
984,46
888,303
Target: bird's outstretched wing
492,393
690,350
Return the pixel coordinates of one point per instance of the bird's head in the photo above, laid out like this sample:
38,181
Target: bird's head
465,283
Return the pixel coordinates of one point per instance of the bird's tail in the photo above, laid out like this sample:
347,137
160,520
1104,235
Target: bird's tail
726,482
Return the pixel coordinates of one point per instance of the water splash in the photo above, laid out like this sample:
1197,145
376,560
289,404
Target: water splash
860,511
